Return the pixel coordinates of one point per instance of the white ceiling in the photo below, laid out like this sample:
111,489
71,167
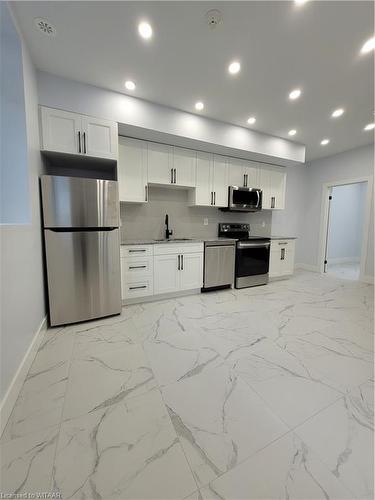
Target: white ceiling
280,45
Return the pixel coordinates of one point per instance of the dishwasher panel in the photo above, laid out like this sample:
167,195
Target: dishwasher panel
218,265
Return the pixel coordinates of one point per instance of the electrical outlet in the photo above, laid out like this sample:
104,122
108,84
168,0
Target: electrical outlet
263,223
205,221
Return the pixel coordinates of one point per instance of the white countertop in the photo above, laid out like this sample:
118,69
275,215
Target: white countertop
177,241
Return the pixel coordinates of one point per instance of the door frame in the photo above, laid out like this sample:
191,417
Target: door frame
323,236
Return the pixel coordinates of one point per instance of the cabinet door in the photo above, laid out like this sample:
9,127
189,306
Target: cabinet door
220,181
61,131
236,175
287,262
191,273
132,170
184,163
166,274
202,195
277,181
100,137
159,160
251,174
265,186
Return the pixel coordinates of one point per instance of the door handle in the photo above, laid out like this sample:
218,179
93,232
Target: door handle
79,142
178,265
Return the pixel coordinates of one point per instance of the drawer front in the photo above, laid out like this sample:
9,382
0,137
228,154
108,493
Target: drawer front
136,250
178,248
133,267
140,288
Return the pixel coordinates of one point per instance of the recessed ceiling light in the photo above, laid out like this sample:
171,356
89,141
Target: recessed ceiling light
300,2
251,120
368,46
199,105
338,112
234,67
145,30
324,142
292,132
370,126
295,94
130,85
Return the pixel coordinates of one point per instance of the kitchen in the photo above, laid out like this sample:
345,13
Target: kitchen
164,234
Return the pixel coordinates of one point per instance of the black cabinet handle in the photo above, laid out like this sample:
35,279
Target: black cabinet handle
137,267
182,262
146,193
175,176
79,142
140,250
214,197
84,142
178,265
137,287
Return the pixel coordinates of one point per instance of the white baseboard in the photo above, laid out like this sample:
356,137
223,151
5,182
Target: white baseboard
307,267
10,398
344,260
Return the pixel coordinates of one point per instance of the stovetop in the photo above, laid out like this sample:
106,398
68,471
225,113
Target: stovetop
239,231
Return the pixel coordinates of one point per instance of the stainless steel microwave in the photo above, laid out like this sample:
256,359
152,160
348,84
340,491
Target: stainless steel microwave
244,199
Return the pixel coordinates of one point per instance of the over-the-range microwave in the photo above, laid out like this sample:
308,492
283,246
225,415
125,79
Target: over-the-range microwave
243,199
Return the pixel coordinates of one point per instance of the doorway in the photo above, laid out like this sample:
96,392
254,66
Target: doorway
345,227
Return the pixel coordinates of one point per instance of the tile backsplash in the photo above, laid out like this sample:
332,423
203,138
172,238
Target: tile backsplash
146,221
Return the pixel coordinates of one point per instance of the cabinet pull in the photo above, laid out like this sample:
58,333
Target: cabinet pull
84,142
211,198
282,254
171,175
175,175
79,142
138,250
272,202
137,267
146,193
182,262
244,180
137,287
283,243
178,265
214,197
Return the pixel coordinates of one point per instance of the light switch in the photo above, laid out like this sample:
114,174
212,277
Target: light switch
263,223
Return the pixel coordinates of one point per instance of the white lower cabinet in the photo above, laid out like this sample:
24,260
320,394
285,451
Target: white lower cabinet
282,258
161,268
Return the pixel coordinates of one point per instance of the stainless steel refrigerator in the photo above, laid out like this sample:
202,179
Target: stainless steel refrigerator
82,245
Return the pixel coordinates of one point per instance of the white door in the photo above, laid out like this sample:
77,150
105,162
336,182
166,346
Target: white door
220,181
132,170
184,163
277,180
265,186
203,188
236,173
61,131
159,160
251,174
100,137
166,274
191,274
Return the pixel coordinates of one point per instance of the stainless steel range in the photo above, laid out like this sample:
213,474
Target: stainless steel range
252,255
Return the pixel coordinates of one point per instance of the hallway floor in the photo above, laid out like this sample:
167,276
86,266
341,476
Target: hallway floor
346,271
260,393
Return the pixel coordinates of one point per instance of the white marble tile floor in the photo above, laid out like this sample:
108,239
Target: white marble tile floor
261,393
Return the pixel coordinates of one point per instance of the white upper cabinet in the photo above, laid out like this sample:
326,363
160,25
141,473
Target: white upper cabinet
66,132
61,131
100,137
184,164
132,170
272,181
236,174
220,181
159,158
251,174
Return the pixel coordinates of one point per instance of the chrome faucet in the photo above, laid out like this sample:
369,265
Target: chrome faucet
168,232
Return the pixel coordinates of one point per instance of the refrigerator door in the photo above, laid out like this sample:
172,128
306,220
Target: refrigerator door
83,270
75,202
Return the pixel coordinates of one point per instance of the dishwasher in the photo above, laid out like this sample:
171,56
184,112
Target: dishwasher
219,261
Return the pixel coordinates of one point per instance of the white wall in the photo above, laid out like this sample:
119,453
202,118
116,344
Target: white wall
22,288
350,165
146,120
346,223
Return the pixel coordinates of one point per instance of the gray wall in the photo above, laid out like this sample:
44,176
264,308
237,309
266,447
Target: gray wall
146,221
22,288
347,211
349,165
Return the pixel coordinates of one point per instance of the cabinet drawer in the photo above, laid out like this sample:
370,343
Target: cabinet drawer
140,288
177,248
136,251
137,266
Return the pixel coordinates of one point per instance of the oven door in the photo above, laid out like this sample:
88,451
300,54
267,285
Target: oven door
252,263
244,199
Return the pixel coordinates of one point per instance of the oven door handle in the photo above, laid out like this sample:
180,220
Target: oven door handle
253,245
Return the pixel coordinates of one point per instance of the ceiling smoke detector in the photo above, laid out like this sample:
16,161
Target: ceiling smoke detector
44,26
213,18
